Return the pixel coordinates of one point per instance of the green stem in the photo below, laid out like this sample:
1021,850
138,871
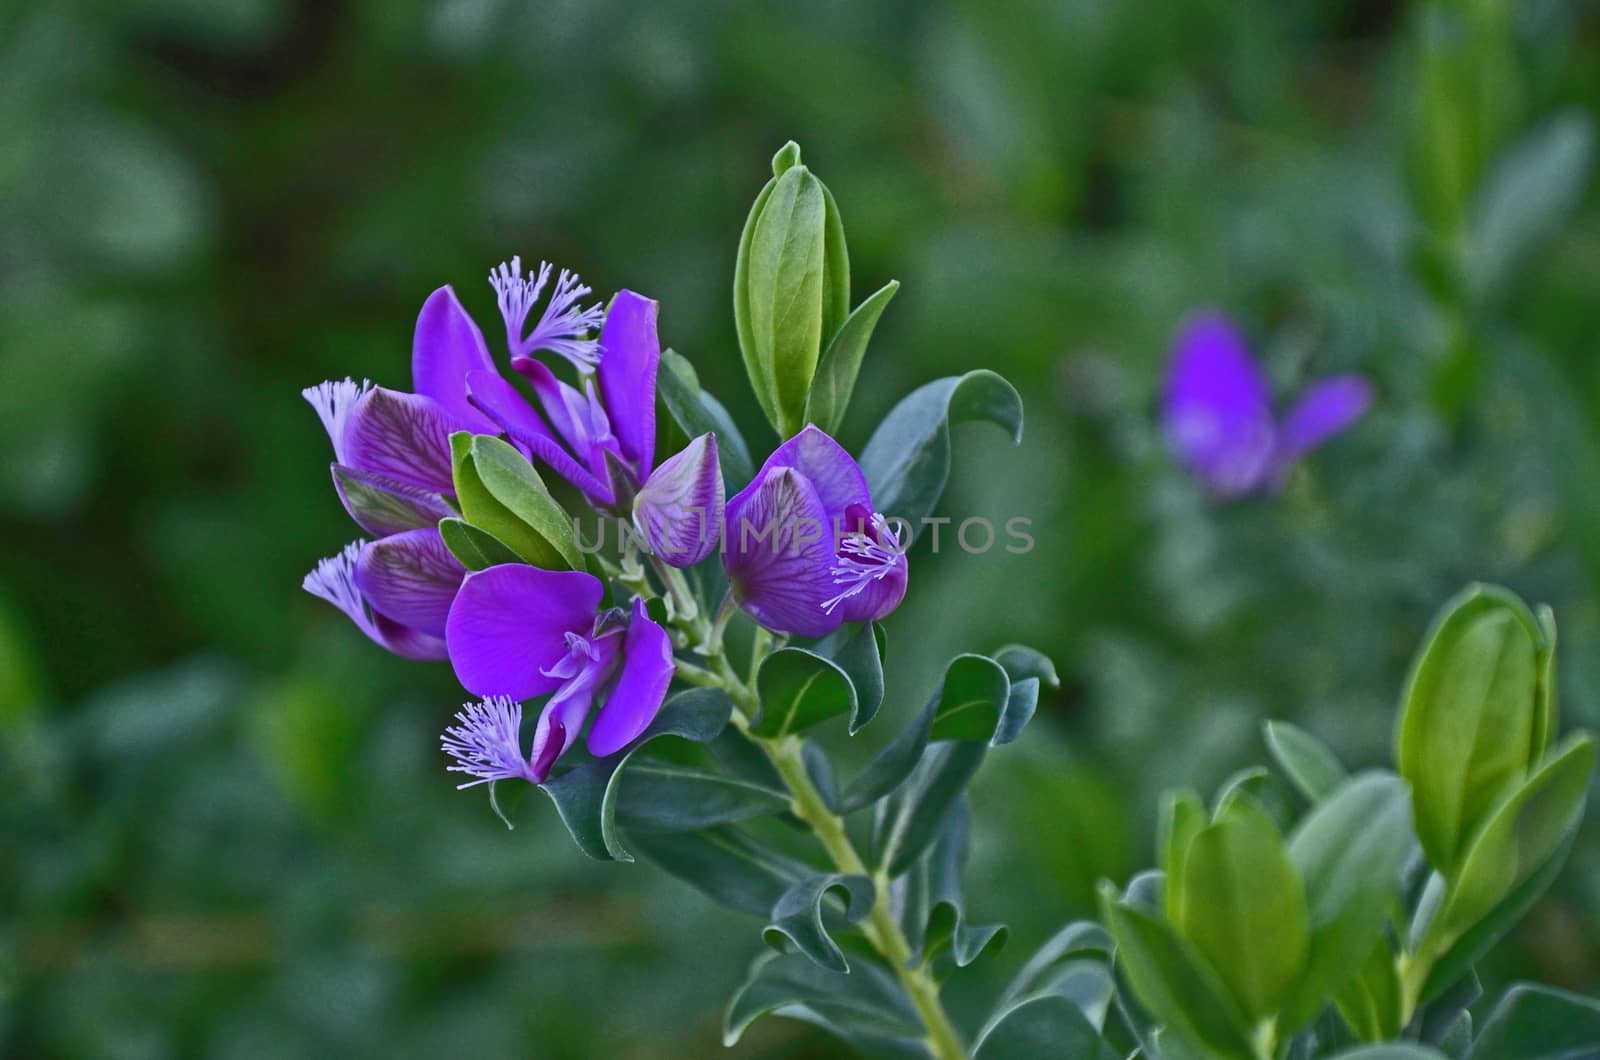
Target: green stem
881,929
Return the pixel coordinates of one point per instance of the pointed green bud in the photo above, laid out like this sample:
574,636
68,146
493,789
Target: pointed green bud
502,495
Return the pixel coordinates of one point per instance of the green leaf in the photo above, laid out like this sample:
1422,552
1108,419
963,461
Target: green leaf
754,363
1305,760
1470,716
1534,186
1515,842
501,494
1182,816
861,659
1173,981
1478,940
975,701
1079,939
907,459
835,270
975,692
476,549
724,864
786,276
909,820
797,916
1539,1023
841,362
799,689
931,901
586,795
1022,662
1243,907
864,1006
696,412
1042,1026
669,796
1392,1052
1349,851
1371,1001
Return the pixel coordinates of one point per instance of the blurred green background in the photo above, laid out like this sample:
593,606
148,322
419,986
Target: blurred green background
225,827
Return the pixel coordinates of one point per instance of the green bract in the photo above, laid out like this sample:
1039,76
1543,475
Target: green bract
505,501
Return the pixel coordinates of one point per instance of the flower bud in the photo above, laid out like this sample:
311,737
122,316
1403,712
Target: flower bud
501,494
678,512
791,288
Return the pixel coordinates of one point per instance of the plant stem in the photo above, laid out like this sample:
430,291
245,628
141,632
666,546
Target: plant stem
881,929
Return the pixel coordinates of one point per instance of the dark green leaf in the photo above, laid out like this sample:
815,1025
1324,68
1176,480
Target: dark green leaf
1539,1023
860,658
475,548
797,916
1022,662
799,689
669,796
1079,939
1047,1025
836,372
907,459
975,692
1305,760
914,814
696,412
725,865
931,902
867,1002
586,796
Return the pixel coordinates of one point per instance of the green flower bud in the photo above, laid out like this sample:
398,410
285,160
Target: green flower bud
791,288
503,496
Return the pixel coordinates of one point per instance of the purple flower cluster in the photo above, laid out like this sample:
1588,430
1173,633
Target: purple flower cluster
804,549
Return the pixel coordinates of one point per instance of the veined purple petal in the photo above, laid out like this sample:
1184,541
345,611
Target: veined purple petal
333,401
870,571
631,356
509,624
567,710
641,687
412,578
1217,410
382,505
401,436
504,404
446,346
1326,408
678,512
778,549
334,581
832,472
564,326
486,742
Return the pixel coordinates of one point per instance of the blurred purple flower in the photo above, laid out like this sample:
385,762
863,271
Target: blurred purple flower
804,549
1217,410
520,632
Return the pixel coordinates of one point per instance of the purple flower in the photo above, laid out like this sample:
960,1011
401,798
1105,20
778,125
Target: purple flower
487,743
805,550
678,512
397,590
1217,410
519,632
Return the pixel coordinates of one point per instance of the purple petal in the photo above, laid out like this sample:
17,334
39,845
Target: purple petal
510,622
871,571
778,548
678,512
333,401
630,356
446,346
1217,411
401,436
1325,409
384,506
646,672
832,472
503,403
334,581
411,578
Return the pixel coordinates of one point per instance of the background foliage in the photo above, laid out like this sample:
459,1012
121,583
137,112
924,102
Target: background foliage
226,829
